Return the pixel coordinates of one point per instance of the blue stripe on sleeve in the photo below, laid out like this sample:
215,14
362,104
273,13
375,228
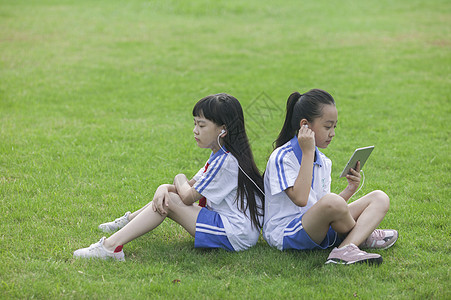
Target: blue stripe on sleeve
280,168
213,169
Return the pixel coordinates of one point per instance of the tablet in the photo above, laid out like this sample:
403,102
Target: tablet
360,154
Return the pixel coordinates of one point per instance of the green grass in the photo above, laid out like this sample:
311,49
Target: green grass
95,113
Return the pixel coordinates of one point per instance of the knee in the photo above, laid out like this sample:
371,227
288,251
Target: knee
174,201
333,204
382,200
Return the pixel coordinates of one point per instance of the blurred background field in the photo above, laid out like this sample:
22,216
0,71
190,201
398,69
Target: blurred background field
95,113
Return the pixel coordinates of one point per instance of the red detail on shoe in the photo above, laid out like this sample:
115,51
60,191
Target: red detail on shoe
118,249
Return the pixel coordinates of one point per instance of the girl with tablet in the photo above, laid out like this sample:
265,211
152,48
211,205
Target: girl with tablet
229,185
300,211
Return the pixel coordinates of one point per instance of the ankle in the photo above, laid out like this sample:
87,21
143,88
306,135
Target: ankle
131,216
341,246
109,246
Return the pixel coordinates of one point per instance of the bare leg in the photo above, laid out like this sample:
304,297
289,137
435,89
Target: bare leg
148,220
331,210
368,212
134,214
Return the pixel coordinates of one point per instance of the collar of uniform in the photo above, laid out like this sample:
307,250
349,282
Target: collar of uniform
220,152
298,152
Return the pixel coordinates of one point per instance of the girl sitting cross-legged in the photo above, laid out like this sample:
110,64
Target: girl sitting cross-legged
300,211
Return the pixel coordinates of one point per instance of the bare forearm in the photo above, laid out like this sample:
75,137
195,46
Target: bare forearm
179,181
171,188
299,192
185,190
346,194
353,183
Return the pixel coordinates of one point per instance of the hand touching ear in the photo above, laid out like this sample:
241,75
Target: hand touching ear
306,139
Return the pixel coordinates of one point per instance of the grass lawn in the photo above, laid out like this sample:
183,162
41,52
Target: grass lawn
95,113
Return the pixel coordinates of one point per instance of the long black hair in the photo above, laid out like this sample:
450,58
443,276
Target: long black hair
223,109
308,106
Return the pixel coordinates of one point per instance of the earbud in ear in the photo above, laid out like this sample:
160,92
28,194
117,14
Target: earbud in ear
223,131
305,125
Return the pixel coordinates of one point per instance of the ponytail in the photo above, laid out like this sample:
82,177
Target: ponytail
288,130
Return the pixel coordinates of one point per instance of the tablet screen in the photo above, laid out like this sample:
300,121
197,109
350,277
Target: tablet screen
360,154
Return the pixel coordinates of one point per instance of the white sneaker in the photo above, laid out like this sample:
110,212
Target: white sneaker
97,250
116,224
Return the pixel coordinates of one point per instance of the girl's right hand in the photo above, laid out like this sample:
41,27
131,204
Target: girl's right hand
306,139
161,200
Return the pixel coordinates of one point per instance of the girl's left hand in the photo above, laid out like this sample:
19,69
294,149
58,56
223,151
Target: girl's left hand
160,200
354,178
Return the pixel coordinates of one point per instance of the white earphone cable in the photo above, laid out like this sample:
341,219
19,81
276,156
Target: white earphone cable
240,167
363,182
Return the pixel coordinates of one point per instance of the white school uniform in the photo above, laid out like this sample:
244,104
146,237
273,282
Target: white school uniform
219,183
281,172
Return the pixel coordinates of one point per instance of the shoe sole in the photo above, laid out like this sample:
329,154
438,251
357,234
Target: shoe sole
370,261
386,247
102,258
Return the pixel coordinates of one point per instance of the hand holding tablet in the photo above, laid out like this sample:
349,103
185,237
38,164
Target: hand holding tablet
360,154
